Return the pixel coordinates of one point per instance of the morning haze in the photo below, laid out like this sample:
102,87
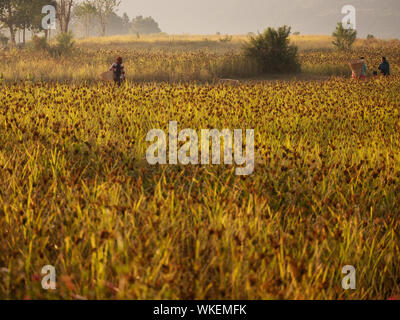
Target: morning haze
381,18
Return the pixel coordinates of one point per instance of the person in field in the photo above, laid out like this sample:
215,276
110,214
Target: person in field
384,67
119,71
364,70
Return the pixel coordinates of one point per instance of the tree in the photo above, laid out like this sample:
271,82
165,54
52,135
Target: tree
104,9
20,14
116,25
344,38
26,16
30,15
10,16
144,25
85,12
272,51
64,13
126,21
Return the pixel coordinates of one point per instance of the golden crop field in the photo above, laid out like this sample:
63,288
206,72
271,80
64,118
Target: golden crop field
77,193
185,58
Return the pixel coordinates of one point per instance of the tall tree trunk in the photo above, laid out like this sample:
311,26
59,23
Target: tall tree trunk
24,36
12,35
64,14
68,15
62,25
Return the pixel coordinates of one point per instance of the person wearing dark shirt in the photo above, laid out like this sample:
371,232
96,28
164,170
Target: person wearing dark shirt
119,71
384,67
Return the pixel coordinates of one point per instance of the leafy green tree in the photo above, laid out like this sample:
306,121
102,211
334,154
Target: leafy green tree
22,15
126,20
144,25
117,25
30,15
272,51
104,10
10,16
85,13
344,38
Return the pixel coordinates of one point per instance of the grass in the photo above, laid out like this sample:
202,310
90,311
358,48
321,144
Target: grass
184,58
76,192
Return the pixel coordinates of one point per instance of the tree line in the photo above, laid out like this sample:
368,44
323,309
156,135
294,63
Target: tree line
26,15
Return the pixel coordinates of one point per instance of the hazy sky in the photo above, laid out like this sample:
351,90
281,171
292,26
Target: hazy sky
379,17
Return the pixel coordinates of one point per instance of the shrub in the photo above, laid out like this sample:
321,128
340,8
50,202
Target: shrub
226,39
65,43
344,38
39,43
272,51
370,37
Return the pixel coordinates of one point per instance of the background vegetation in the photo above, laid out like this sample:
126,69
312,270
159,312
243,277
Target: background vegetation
184,58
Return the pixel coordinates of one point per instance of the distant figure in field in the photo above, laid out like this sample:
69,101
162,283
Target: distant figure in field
119,71
384,67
